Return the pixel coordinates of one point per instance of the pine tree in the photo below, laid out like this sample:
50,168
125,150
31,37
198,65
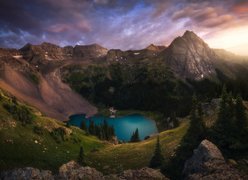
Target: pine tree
174,119
92,128
241,124
241,118
157,158
83,126
81,157
135,137
197,126
136,134
224,128
195,134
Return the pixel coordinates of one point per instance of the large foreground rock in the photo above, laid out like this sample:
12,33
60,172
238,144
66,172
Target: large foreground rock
144,174
26,174
73,171
208,163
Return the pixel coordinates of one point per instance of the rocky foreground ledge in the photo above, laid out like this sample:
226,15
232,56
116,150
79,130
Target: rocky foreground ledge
73,171
207,163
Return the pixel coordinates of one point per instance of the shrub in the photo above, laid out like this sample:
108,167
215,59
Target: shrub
20,112
58,134
38,130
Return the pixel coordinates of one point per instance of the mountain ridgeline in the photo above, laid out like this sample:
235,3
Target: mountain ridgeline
156,78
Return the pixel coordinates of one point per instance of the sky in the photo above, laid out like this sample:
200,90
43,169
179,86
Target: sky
124,24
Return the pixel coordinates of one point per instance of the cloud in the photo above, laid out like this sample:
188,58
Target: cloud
204,15
241,7
113,23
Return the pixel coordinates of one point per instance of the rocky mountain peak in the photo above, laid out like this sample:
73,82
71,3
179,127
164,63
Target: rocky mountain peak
153,47
190,57
89,51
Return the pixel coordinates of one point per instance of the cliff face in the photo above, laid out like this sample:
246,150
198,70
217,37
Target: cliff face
190,57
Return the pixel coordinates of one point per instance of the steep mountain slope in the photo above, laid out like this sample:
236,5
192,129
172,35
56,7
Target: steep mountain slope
44,90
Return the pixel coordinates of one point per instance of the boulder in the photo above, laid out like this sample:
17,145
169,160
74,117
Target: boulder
26,174
207,163
74,171
144,174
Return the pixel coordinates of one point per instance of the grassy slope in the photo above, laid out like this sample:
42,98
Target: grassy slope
115,158
48,154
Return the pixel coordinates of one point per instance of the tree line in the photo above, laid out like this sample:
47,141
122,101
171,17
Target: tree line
229,132
103,131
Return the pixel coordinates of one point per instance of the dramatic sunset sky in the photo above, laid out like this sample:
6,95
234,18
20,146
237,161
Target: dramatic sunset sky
124,24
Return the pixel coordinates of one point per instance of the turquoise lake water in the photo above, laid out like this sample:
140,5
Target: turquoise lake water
124,126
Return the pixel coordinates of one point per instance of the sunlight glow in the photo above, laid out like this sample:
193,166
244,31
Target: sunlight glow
232,39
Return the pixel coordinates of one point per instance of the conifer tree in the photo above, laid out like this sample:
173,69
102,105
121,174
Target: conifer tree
241,124
92,128
81,157
241,118
173,118
83,126
135,137
195,134
224,128
157,158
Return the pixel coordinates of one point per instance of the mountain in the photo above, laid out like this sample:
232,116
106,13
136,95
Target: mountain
34,72
48,51
190,57
35,79
153,47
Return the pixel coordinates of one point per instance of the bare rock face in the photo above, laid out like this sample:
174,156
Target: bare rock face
190,57
207,163
73,171
26,174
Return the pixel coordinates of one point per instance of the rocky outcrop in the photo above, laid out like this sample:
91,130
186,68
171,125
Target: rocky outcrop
153,47
47,51
144,174
92,51
26,174
207,163
73,171
190,57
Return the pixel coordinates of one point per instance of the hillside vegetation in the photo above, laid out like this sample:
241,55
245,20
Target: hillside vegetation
41,142
46,143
